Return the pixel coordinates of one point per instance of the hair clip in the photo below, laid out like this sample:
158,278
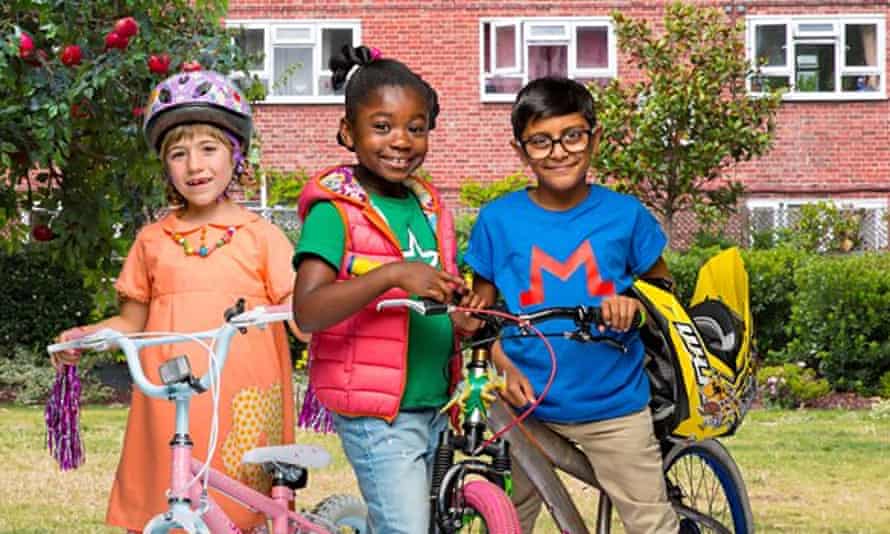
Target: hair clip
375,53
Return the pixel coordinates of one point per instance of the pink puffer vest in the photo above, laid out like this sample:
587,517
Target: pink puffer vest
358,366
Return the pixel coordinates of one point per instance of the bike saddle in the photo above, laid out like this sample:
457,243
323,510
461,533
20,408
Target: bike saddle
307,456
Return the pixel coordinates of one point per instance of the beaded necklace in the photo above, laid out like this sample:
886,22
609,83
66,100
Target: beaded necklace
203,251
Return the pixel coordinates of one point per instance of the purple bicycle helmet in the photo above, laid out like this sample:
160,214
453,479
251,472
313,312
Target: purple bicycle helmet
197,97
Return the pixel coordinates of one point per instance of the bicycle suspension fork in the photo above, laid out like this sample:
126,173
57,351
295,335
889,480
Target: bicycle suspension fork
443,512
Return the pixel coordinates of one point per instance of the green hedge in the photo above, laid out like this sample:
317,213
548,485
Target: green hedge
38,298
771,281
839,319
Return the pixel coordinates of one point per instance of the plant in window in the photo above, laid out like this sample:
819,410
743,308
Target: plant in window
669,137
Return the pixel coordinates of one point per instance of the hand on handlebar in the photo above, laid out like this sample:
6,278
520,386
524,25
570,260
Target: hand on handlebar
464,322
69,357
426,282
619,313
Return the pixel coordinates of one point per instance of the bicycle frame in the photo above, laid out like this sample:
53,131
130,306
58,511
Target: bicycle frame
190,508
563,455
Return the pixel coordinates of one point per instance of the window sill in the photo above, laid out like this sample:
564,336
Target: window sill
830,97
302,100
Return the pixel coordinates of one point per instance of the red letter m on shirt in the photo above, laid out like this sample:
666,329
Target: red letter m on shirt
583,255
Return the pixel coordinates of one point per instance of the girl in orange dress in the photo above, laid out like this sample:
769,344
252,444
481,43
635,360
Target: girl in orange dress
180,275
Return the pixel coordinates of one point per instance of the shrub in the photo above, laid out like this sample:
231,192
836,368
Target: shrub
771,281
839,319
684,268
884,385
790,385
39,298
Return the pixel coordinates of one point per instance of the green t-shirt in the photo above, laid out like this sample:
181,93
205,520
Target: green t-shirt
429,338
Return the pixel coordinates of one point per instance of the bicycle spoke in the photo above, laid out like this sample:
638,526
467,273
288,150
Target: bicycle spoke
701,494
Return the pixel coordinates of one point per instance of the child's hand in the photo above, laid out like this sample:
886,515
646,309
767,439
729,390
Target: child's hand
619,312
424,281
519,391
68,357
464,322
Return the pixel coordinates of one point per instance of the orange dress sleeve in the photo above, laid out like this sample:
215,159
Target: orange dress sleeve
278,271
134,281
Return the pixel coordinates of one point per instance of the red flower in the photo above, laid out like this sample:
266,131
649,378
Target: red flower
26,46
42,232
138,111
78,112
159,64
190,66
126,27
71,55
116,40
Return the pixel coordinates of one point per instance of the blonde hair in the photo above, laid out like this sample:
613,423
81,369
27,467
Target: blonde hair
190,131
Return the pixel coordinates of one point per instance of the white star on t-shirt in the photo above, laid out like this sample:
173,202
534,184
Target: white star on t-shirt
430,257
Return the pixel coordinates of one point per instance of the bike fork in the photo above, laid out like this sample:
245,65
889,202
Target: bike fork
442,462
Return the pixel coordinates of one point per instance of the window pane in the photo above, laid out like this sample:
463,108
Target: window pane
770,45
293,71
862,45
502,85
332,42
762,84
815,67
293,34
486,46
593,48
325,88
824,28
861,83
555,31
505,45
551,60
251,42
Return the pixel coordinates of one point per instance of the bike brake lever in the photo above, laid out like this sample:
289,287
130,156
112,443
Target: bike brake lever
586,337
423,307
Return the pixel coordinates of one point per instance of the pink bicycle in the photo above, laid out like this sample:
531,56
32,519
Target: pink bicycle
190,507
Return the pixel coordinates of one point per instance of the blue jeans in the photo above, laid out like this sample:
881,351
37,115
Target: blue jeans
393,465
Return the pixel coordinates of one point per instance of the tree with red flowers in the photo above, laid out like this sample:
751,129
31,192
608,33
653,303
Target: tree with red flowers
74,77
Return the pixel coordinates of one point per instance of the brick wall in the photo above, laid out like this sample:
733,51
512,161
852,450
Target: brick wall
825,146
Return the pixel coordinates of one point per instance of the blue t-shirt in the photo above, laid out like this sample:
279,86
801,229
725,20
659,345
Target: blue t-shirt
540,258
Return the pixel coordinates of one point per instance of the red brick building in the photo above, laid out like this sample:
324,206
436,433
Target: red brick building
833,129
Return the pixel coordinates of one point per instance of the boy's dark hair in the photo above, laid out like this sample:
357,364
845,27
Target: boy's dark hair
550,96
373,73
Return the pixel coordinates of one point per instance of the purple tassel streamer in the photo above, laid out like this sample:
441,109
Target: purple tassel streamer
313,415
62,417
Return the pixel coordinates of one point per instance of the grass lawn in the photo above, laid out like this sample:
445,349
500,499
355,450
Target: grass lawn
806,471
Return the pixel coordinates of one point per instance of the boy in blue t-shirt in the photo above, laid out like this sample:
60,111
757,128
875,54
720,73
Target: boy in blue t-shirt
568,243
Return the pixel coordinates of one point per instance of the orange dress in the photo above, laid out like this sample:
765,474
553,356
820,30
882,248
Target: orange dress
189,294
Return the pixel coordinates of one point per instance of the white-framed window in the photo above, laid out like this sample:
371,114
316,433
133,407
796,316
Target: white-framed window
294,68
516,50
776,213
824,57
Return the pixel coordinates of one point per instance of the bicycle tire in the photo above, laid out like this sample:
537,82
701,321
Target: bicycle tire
691,468
343,511
489,503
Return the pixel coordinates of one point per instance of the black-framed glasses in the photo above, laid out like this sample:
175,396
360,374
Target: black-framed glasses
540,146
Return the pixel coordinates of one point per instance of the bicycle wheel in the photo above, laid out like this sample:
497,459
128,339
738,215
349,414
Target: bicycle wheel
706,488
345,512
490,510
